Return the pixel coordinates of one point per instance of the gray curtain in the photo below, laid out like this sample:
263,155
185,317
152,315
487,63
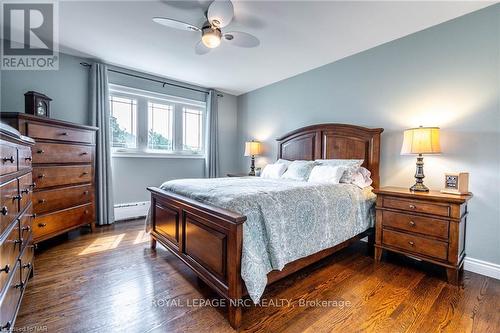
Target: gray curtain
212,137
99,117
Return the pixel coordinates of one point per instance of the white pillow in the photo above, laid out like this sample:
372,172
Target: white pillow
326,174
273,171
299,170
343,162
283,161
357,176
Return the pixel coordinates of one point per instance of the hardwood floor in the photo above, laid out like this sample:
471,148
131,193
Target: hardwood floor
110,281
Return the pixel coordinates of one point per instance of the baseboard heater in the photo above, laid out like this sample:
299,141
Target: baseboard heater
131,210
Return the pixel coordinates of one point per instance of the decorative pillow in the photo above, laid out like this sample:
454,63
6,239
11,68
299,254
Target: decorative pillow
299,170
273,171
326,174
357,176
343,162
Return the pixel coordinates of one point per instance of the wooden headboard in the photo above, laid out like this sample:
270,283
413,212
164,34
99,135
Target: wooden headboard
339,141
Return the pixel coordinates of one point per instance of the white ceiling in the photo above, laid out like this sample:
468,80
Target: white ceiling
296,36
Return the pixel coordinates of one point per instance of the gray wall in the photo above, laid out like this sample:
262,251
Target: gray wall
68,87
445,76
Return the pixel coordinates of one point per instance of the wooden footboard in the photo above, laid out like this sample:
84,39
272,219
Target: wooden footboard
208,239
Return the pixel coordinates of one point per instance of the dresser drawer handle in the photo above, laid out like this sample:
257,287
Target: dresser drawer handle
42,225
33,185
28,158
6,269
85,192
28,265
412,206
41,176
5,210
40,151
17,197
85,173
26,191
411,243
84,153
6,326
64,133
11,159
412,223
33,215
41,201
19,285
26,228
18,241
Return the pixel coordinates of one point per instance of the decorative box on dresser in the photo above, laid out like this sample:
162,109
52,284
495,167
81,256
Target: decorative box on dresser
16,219
63,171
429,226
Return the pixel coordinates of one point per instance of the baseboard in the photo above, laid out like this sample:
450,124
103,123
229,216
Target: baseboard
131,210
482,267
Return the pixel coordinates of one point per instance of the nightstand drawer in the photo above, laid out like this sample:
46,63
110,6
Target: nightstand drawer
415,244
422,225
417,206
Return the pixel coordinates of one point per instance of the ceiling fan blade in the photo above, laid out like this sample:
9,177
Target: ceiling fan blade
220,13
201,49
171,23
241,39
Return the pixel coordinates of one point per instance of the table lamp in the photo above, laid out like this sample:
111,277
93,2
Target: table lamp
419,141
252,149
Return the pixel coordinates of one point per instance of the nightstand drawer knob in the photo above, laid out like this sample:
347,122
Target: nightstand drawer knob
411,243
412,223
412,207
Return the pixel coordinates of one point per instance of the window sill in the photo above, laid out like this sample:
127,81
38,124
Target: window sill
155,155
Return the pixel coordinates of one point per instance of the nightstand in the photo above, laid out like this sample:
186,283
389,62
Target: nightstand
237,174
429,226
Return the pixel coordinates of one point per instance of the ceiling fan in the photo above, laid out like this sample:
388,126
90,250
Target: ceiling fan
219,14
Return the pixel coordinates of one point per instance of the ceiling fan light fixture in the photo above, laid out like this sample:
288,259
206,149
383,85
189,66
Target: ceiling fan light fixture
211,37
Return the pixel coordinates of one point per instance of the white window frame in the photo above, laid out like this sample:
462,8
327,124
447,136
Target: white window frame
143,97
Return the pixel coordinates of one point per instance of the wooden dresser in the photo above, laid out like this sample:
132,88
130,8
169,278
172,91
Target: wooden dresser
16,247
63,170
429,226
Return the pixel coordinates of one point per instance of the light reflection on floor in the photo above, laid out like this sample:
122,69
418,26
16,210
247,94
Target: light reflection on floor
103,244
142,237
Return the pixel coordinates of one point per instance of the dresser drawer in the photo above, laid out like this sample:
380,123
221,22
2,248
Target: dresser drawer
11,299
51,200
27,261
42,131
423,225
8,203
8,159
61,153
417,206
61,175
24,156
9,250
25,190
415,244
26,225
63,220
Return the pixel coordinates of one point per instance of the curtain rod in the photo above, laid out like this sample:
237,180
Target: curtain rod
86,64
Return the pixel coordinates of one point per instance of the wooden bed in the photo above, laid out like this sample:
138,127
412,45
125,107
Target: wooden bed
209,239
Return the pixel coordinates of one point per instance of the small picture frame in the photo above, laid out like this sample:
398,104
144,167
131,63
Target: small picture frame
456,183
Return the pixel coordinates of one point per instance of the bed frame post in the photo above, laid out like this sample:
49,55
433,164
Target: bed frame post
235,282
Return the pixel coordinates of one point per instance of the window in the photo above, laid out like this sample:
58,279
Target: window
148,123
192,129
160,126
123,122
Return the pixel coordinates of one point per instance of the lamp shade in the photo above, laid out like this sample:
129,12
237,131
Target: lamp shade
421,140
253,148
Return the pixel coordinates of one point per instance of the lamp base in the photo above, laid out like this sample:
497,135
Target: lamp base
419,177
419,187
252,167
